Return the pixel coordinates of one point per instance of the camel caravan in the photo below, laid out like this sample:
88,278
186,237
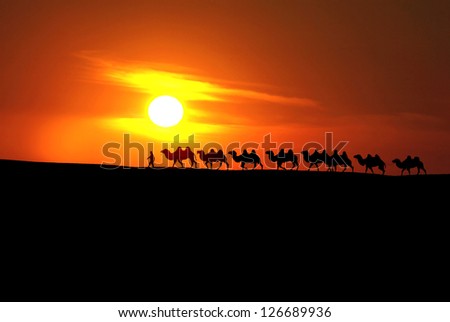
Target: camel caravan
282,159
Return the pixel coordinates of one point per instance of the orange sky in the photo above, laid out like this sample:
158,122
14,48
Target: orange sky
76,75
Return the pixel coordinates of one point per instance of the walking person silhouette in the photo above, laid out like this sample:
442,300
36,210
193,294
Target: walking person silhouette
151,160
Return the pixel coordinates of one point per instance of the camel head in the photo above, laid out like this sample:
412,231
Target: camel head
396,161
167,154
232,152
272,156
305,154
360,159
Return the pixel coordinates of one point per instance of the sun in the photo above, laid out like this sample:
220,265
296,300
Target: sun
165,111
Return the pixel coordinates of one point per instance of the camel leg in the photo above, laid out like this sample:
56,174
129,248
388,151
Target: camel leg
421,169
243,166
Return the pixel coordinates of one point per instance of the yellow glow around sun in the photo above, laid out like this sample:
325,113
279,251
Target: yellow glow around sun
165,111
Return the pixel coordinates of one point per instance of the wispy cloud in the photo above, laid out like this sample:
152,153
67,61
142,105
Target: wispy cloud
180,82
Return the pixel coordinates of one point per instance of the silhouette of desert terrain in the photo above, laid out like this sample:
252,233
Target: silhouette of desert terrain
316,236
89,185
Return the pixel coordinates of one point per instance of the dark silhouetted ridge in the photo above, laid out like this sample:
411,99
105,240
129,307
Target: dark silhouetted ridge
78,232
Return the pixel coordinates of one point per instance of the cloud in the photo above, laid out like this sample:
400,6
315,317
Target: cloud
183,83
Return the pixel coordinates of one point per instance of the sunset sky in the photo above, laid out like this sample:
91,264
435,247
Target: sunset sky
76,75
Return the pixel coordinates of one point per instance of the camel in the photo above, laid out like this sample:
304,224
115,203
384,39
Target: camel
246,157
179,155
213,156
370,162
314,159
283,157
317,158
328,160
341,160
410,163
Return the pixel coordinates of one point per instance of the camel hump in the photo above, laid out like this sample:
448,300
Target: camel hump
220,153
290,153
245,152
378,158
416,158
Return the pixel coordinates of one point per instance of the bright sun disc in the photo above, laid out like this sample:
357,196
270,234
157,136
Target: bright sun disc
165,111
